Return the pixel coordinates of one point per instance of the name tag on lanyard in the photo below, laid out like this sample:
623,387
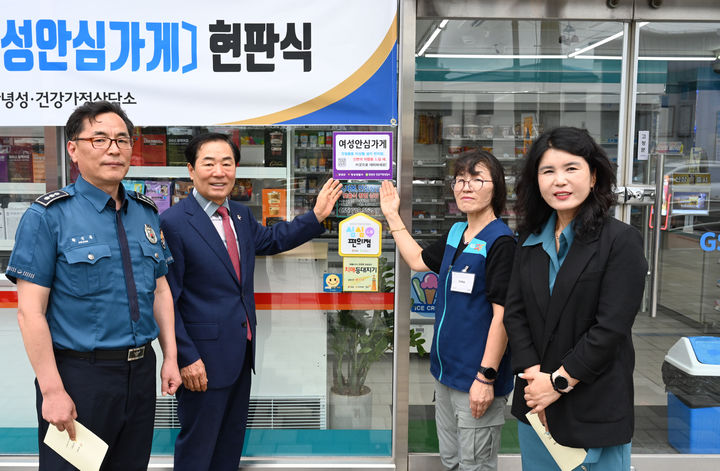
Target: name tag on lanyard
462,281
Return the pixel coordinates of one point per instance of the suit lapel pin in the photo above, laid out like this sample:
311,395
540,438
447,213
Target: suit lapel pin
239,217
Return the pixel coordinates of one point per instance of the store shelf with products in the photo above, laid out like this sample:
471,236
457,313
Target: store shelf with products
182,172
22,180
312,172
311,157
434,202
451,122
312,151
9,188
165,146
428,182
159,168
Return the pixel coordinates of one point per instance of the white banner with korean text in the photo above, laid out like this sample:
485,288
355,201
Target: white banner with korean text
196,63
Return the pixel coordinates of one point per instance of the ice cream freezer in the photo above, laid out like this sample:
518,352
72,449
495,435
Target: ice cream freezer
423,293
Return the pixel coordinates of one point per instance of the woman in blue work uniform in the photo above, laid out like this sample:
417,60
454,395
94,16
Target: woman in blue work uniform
576,287
468,356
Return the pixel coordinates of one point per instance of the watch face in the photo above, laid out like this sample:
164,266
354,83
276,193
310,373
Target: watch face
489,373
561,382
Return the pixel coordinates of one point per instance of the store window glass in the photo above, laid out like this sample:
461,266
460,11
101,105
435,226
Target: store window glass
677,121
324,356
324,359
496,85
26,172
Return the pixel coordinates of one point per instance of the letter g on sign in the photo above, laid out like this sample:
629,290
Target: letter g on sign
708,242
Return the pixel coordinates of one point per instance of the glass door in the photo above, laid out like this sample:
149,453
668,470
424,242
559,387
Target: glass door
672,191
496,85
677,149
649,93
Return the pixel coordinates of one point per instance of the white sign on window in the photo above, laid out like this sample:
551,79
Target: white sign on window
360,236
643,151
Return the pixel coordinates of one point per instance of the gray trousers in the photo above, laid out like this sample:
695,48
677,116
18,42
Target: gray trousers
467,443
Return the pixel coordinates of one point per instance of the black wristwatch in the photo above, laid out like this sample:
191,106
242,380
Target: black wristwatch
560,383
489,373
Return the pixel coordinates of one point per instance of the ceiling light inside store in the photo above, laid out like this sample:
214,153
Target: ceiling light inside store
597,44
600,58
603,41
497,56
676,58
652,58
561,56
432,37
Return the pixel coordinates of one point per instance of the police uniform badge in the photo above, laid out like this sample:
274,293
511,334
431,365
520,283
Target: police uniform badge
162,240
49,198
150,234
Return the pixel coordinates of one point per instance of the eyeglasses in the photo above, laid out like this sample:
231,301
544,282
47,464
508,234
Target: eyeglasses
104,143
475,184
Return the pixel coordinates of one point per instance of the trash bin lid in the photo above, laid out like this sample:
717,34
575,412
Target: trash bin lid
697,356
707,349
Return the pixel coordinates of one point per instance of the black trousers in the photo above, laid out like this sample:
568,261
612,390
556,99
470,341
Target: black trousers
116,401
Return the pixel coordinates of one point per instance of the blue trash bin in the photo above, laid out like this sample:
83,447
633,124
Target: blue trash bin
691,372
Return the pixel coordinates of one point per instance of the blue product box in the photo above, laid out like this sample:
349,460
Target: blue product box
693,430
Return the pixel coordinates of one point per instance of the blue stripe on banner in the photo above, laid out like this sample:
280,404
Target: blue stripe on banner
373,103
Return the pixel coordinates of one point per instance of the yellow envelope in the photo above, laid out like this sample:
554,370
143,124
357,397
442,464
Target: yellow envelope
85,453
566,457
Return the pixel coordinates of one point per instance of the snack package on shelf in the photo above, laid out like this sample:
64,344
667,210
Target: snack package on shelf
159,191
181,190
177,140
3,234
20,163
13,213
154,147
5,143
134,185
242,191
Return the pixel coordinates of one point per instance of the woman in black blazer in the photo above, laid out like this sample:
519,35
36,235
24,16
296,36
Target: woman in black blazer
577,284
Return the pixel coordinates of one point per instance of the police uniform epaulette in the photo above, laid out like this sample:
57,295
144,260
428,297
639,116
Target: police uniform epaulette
49,198
144,199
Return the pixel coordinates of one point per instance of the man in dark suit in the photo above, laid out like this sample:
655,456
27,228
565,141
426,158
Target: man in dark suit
214,242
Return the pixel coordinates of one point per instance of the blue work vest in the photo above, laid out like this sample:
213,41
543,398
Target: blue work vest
462,320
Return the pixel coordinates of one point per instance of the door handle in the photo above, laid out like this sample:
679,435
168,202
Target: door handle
636,194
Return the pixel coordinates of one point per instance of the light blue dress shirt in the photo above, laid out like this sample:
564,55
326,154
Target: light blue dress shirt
547,239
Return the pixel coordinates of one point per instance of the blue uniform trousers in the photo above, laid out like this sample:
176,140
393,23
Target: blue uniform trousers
213,424
115,399
536,457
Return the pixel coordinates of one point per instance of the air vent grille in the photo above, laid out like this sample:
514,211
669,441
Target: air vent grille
308,412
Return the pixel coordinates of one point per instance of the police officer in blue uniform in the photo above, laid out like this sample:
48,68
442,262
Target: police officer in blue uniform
90,264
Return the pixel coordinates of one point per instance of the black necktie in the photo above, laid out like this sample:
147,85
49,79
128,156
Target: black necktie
127,268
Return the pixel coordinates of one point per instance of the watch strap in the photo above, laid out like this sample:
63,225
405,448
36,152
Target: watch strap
553,378
489,372
483,381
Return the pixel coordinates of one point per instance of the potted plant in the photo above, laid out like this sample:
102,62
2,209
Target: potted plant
357,339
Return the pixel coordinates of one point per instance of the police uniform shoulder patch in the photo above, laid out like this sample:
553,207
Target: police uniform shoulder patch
49,198
144,199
